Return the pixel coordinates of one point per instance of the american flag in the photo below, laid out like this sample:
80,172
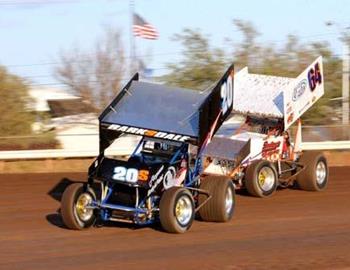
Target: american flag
144,29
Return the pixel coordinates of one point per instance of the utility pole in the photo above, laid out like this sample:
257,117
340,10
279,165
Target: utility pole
132,40
345,88
345,38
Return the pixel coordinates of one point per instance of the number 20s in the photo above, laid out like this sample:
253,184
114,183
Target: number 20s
131,175
124,174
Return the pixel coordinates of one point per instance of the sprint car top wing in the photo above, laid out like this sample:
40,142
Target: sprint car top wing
305,90
278,97
172,113
259,95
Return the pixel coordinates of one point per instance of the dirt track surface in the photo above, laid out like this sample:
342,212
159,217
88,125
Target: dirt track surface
292,230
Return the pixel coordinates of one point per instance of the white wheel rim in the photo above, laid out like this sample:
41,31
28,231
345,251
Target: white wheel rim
266,178
80,208
183,210
228,201
321,172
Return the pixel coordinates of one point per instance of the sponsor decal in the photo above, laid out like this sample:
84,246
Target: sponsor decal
290,118
149,133
270,149
156,179
169,178
174,177
299,90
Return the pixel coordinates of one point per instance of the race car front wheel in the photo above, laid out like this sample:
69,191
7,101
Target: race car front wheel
220,206
261,179
76,209
176,210
314,176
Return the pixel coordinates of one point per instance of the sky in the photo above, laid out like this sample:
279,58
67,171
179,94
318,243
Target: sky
34,32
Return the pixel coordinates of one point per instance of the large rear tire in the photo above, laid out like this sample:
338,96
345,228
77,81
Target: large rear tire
176,210
74,207
315,175
261,179
220,207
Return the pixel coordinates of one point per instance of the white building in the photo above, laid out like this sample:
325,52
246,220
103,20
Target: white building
75,124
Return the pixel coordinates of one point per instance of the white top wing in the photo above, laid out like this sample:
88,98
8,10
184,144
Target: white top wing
278,97
260,95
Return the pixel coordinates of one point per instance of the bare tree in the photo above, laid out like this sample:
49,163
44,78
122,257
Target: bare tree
95,76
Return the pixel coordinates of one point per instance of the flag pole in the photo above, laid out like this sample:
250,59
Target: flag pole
132,39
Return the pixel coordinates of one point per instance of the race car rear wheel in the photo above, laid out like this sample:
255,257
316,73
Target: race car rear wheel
221,205
315,175
176,210
75,210
261,179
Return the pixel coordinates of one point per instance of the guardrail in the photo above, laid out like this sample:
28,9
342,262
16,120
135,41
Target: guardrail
126,149
326,145
47,154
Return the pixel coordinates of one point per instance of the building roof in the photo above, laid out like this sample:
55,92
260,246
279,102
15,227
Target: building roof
41,95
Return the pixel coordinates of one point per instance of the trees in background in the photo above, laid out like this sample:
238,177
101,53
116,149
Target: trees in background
95,76
15,115
201,64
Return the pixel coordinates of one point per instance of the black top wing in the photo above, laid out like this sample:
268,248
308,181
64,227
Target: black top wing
165,112
157,107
